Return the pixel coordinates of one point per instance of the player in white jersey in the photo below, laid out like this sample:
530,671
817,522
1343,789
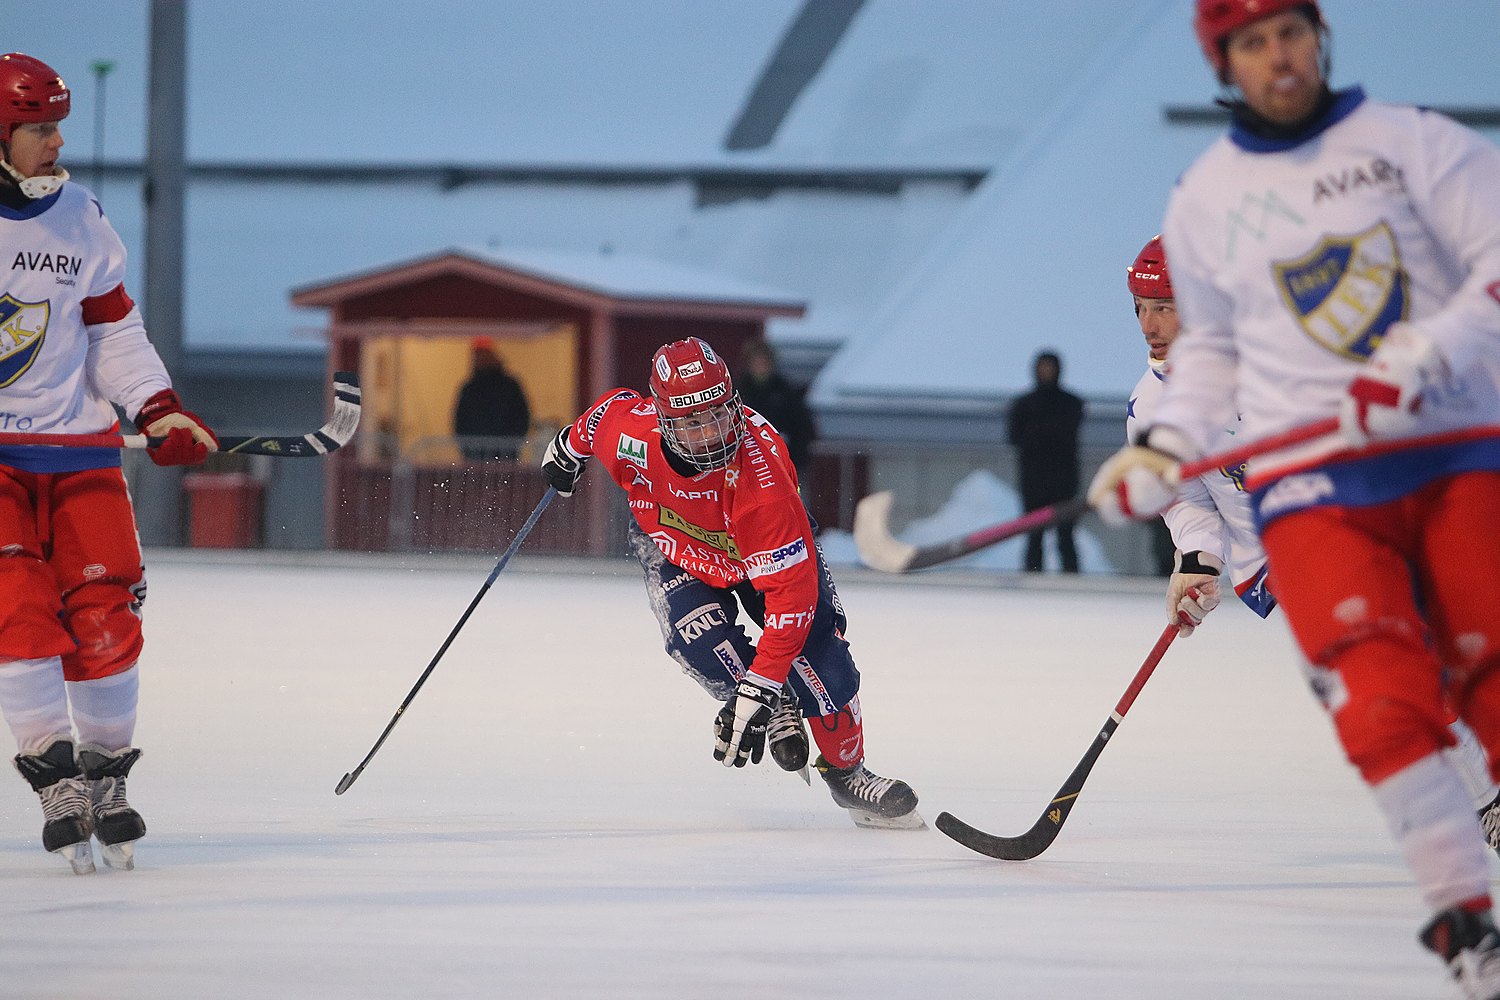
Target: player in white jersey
1212,524
1333,256
1210,521
72,343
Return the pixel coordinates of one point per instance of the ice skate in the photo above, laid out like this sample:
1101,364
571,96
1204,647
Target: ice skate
116,824
1470,944
873,802
787,736
66,820
1489,821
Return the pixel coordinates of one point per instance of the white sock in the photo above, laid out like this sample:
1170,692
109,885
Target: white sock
104,709
1428,811
34,702
1468,758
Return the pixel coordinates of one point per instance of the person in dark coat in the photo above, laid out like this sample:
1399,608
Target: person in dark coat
766,391
491,404
1044,430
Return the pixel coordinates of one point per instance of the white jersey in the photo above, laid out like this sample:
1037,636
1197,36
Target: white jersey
1212,512
71,340
1289,262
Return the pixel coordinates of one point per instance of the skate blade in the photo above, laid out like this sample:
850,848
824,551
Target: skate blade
806,775
120,857
870,821
80,856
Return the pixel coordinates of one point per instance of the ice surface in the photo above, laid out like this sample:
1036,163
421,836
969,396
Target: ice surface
546,819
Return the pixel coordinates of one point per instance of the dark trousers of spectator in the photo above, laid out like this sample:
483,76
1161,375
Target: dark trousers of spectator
1066,551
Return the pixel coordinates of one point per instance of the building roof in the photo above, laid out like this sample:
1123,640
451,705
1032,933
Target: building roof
617,278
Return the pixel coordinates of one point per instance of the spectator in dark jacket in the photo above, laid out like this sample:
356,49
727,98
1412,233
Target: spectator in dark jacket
1044,430
491,404
766,391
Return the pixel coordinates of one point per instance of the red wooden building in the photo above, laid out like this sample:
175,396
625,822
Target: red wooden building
569,327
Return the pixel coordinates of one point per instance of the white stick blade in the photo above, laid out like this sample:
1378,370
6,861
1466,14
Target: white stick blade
872,535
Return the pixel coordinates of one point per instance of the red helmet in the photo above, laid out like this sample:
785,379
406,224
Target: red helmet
1147,277
696,406
30,91
1215,20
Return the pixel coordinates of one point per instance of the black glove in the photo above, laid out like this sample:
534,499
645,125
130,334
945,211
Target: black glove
740,727
560,466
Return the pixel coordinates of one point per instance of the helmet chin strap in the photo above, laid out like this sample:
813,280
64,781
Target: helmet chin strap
37,187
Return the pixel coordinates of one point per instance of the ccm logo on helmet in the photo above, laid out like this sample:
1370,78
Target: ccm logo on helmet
708,395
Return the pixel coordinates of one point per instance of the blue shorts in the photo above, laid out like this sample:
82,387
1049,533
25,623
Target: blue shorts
700,628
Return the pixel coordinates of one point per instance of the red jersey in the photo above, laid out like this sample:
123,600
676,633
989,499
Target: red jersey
743,522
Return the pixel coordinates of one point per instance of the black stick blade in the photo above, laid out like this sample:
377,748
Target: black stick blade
1023,848
345,782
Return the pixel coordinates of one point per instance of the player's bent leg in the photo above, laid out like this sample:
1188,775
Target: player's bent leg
699,624
1460,602
871,800
104,620
1356,621
700,630
97,562
1355,618
1387,711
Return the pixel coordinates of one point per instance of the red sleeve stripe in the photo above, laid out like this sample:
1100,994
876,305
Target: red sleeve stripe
111,307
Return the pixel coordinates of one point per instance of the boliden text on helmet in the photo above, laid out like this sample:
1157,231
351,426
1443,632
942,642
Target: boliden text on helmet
708,395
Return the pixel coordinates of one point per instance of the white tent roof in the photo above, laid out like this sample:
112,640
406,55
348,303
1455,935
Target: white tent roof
1037,256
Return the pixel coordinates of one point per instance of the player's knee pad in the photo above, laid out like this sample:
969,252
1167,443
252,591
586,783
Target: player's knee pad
714,648
1476,697
1385,697
104,619
29,610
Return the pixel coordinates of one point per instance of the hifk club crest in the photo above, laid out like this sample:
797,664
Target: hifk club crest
23,327
1347,291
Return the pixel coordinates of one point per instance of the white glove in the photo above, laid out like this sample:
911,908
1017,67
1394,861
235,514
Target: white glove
1193,590
1384,398
1140,481
740,726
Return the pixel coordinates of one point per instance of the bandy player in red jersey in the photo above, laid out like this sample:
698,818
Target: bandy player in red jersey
719,529
71,582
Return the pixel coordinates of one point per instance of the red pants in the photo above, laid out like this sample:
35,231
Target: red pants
1397,609
71,581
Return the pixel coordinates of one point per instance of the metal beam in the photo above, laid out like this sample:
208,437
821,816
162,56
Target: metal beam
159,491
707,178
806,46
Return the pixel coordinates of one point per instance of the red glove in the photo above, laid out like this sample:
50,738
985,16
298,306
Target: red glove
188,439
